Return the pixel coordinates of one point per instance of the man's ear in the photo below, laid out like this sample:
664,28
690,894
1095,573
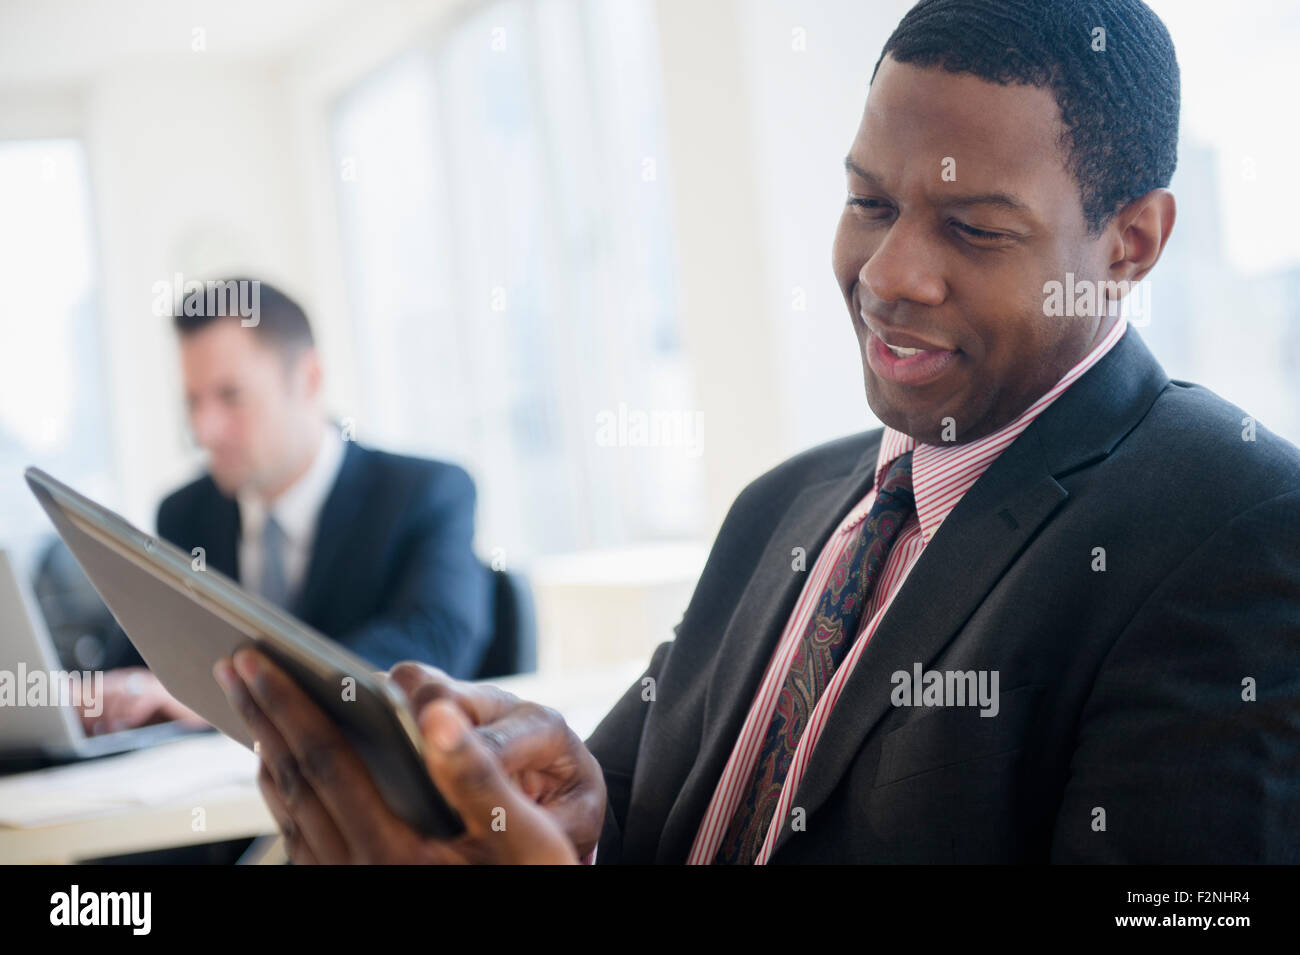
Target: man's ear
1141,230
308,375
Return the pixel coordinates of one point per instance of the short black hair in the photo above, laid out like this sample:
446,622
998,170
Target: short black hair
281,322
1119,107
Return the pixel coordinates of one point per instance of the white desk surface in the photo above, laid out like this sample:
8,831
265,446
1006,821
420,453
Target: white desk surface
203,789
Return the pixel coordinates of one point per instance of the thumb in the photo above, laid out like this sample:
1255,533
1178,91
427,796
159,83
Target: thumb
467,773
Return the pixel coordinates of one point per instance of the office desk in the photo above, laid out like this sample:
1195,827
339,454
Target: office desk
203,788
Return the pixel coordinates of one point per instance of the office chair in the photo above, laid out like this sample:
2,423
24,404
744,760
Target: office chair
514,638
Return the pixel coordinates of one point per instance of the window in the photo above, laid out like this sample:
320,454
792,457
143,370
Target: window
1223,295
508,256
51,386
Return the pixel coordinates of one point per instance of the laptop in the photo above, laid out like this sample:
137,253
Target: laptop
43,729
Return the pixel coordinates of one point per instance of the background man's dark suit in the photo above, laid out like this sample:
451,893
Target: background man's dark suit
392,575
1121,691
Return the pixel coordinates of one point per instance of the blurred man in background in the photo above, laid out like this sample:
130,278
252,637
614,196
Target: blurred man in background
370,548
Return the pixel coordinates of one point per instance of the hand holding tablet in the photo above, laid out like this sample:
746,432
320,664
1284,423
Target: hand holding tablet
329,809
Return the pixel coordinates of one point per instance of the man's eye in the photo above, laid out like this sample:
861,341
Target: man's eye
866,203
977,233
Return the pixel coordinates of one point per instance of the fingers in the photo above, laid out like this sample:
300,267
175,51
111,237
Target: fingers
302,816
130,697
295,805
424,684
524,735
500,819
295,843
138,710
323,798
533,743
554,766
530,736
325,785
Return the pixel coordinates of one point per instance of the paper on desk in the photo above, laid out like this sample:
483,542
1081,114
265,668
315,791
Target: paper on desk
149,777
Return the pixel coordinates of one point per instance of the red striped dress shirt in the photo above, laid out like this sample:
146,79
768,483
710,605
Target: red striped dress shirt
940,476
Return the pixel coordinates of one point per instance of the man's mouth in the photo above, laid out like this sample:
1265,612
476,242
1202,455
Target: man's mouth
905,352
905,359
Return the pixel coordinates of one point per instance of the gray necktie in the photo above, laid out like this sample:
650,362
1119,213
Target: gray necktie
275,586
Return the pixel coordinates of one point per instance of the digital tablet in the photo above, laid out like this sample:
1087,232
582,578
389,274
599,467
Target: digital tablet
184,616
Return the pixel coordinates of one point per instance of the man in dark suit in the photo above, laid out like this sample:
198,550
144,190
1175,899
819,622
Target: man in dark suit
391,575
370,548
1051,612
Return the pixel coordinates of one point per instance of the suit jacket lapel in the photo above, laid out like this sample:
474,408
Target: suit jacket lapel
751,639
221,534
331,535
989,527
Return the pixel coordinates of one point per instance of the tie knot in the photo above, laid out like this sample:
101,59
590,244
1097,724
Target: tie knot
898,480
272,531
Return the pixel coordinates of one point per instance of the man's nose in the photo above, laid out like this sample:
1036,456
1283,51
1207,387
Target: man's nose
905,266
208,424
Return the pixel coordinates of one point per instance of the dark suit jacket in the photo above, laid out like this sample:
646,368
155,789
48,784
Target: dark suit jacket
1121,692
392,575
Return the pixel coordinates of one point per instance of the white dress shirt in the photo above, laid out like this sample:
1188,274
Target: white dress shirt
297,511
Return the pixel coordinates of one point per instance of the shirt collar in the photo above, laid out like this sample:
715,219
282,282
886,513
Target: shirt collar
298,506
941,474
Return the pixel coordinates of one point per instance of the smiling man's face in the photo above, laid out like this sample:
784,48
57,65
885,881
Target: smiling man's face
957,268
